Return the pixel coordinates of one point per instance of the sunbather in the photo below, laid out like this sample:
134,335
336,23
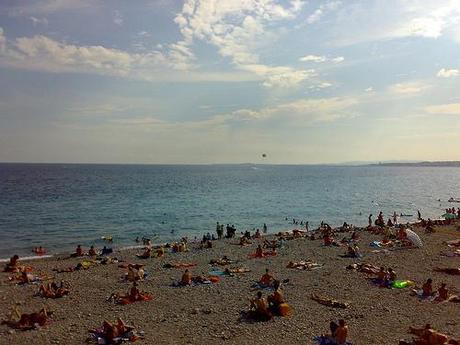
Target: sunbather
328,301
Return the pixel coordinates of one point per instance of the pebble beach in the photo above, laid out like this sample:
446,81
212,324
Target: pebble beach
212,313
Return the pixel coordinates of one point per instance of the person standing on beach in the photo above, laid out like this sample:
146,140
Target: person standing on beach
265,228
220,231
419,215
370,220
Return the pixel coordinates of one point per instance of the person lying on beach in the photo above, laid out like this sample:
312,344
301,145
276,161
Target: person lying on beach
78,252
146,254
364,268
80,266
52,290
273,244
453,243
303,265
451,271
296,233
13,265
330,302
233,270
428,336
179,265
27,321
39,250
221,262
133,295
381,276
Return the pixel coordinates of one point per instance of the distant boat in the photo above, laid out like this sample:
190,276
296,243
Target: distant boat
453,200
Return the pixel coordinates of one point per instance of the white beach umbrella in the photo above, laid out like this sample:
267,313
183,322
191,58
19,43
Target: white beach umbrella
414,238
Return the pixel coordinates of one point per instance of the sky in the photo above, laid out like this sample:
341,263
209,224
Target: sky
226,81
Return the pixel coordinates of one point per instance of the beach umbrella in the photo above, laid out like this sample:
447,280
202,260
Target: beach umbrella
449,216
414,238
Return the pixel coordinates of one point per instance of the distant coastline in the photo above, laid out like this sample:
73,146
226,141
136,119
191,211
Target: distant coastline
453,164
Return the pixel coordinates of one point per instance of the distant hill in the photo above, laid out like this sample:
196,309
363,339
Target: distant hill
455,164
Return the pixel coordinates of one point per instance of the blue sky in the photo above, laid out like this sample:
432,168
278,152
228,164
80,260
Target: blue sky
223,81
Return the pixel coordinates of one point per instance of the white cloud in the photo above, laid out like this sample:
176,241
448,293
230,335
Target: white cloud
39,21
408,88
444,109
2,41
317,58
45,54
448,73
374,20
279,76
303,111
322,10
49,6
117,18
320,85
369,89
237,28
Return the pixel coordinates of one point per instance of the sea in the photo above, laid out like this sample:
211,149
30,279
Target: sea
59,206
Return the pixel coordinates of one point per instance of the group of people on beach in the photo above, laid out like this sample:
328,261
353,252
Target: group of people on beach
454,212
261,308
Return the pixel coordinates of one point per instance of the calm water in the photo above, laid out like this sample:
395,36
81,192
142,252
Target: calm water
60,206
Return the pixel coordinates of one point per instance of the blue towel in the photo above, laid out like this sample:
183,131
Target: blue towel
322,340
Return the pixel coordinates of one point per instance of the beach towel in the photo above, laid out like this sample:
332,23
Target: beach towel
265,255
126,300
209,280
180,265
401,284
218,273
264,287
419,294
323,340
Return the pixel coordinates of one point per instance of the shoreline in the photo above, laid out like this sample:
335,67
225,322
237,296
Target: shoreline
157,244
